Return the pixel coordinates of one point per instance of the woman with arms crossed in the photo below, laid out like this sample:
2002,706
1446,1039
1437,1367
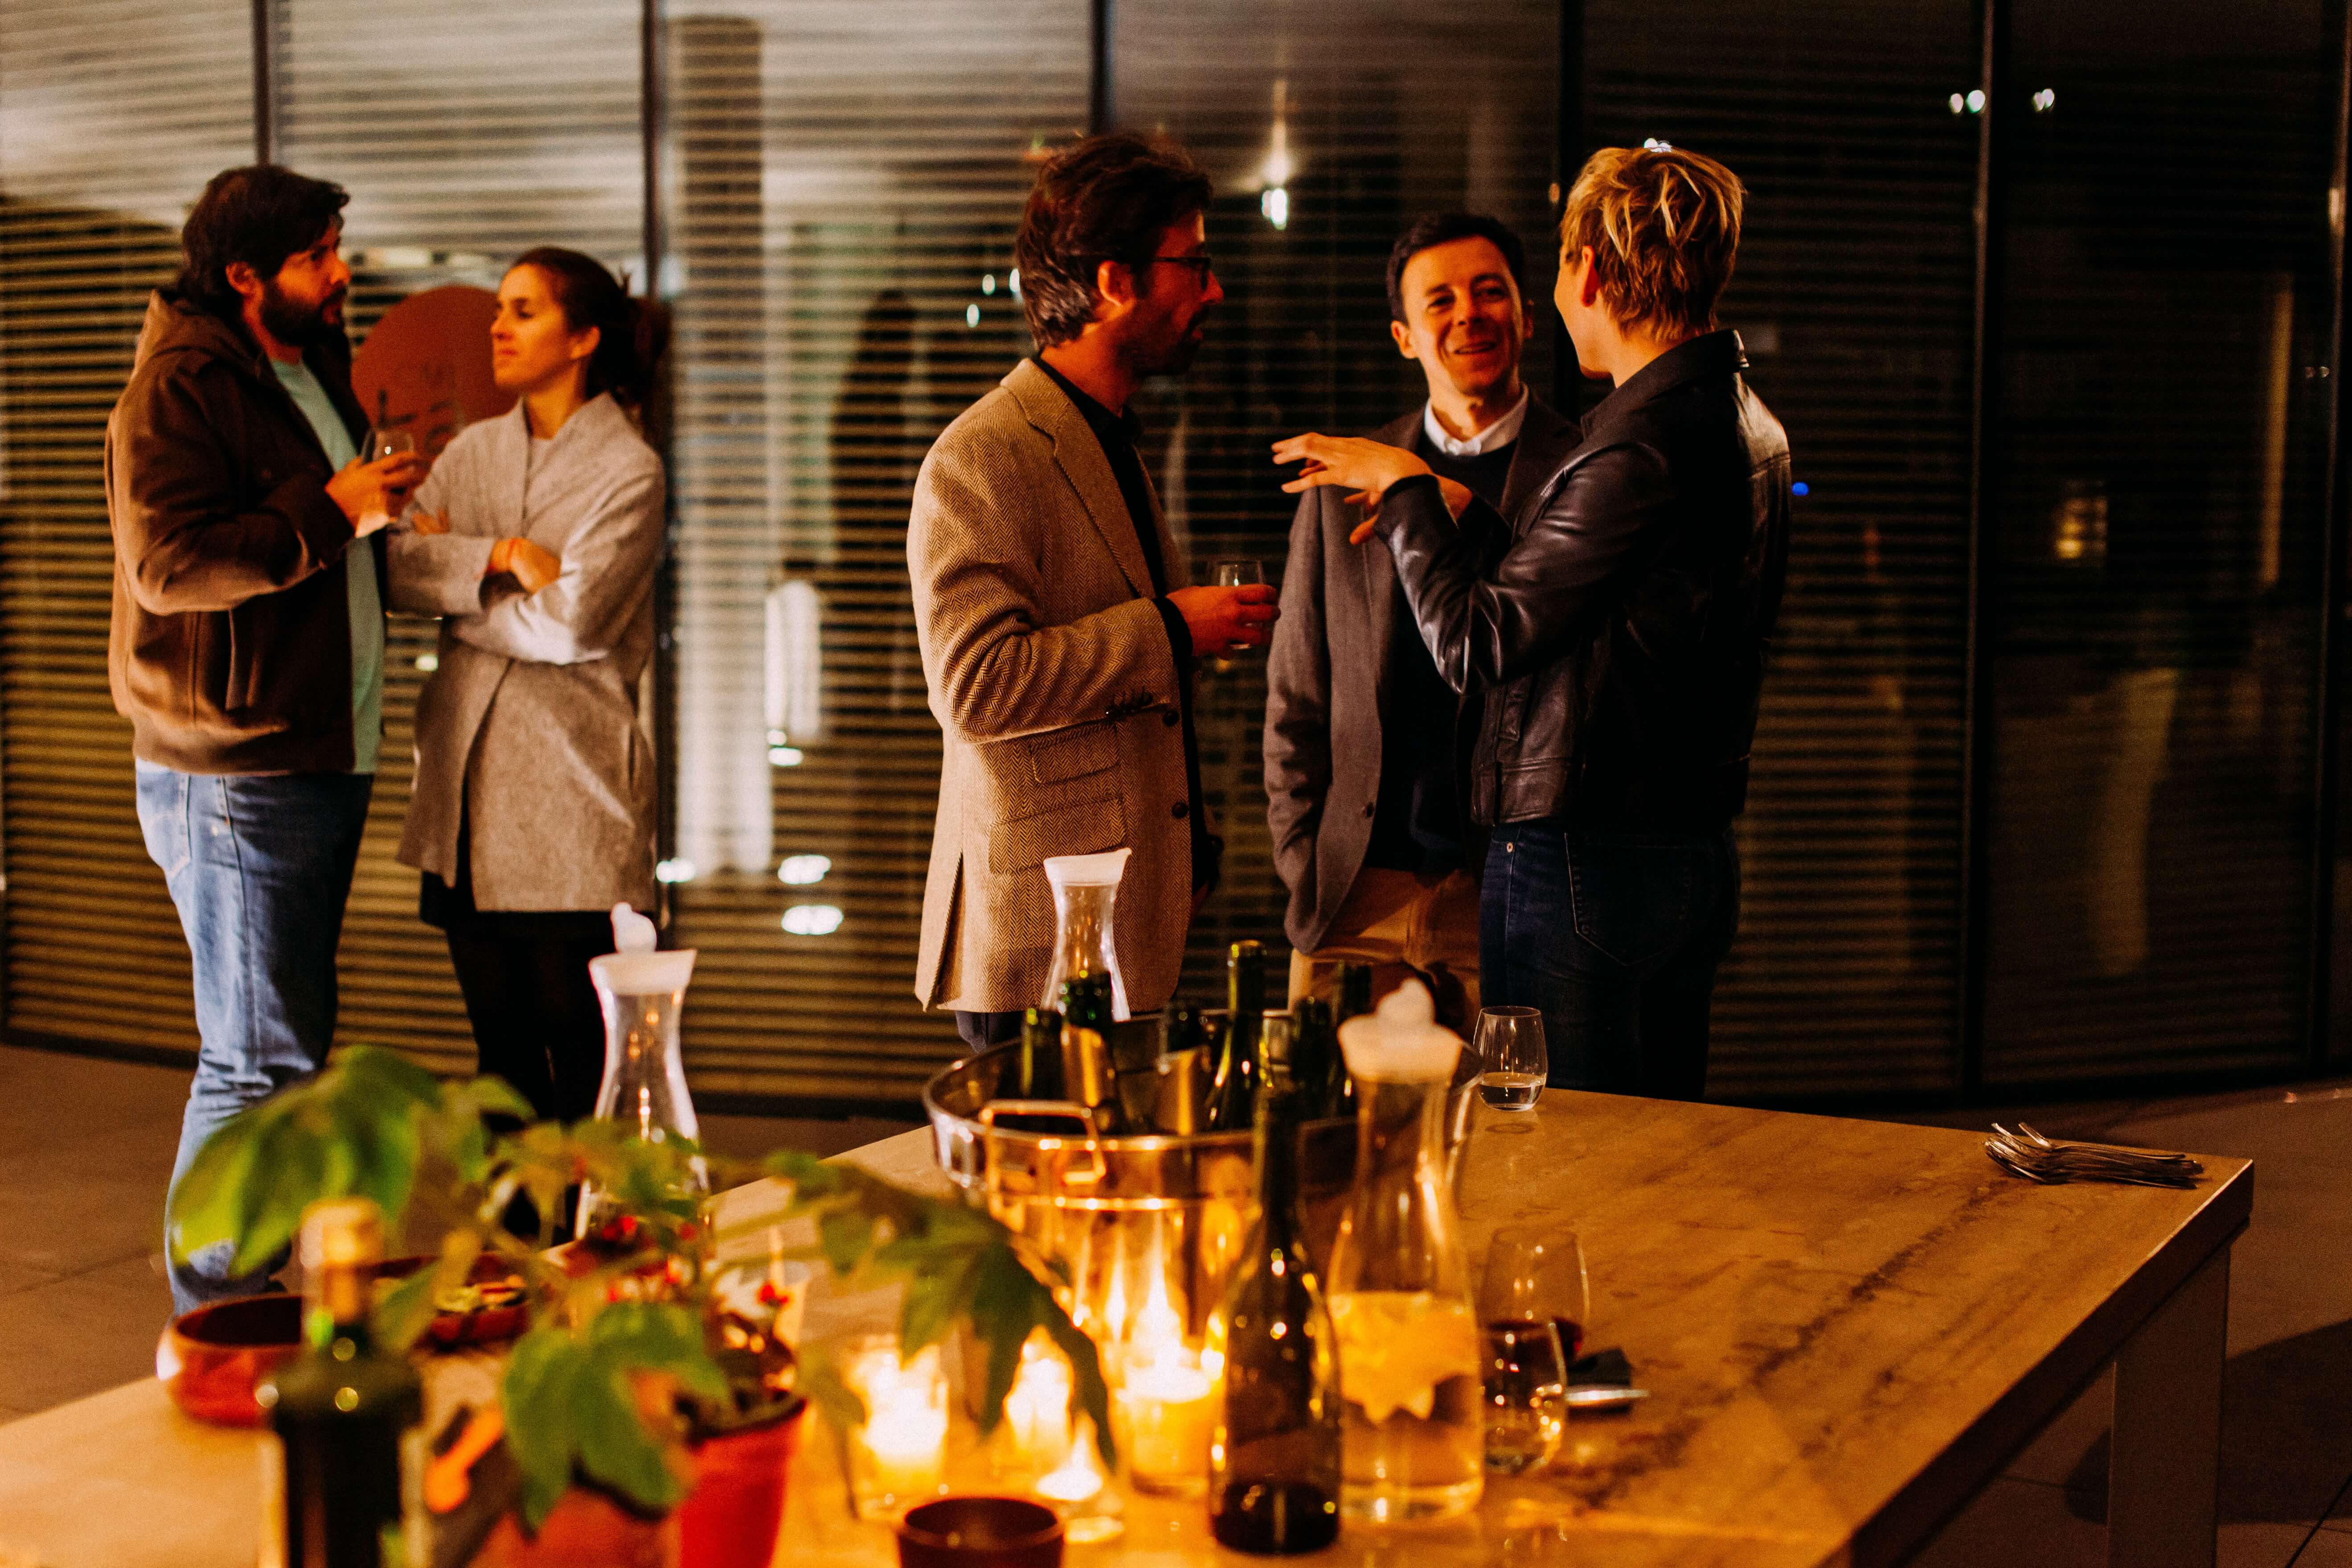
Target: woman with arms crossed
535,539
1617,626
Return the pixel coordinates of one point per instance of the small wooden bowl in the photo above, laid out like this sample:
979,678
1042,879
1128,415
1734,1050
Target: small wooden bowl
211,1359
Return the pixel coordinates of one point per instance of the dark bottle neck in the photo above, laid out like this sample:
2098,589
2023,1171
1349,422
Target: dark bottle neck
1275,1147
334,1307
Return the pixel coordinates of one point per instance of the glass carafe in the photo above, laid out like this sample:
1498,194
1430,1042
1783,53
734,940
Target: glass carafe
644,995
1412,1434
1086,893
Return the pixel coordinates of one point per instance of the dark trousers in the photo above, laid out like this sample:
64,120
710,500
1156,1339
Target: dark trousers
981,1030
259,868
1616,937
537,1022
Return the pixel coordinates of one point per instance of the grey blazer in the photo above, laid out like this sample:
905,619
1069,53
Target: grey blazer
1059,699
1327,675
529,722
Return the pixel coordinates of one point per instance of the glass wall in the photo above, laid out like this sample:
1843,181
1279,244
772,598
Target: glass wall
111,117
837,192
1854,296
2161,453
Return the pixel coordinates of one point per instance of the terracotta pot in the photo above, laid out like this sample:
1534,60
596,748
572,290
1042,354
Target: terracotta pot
213,1358
586,1529
731,1517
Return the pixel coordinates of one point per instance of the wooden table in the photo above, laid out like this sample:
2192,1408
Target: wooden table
1847,1327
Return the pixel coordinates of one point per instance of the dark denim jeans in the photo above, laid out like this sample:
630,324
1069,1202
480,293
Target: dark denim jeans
259,867
1616,936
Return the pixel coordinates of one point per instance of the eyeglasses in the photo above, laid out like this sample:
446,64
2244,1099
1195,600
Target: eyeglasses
1201,266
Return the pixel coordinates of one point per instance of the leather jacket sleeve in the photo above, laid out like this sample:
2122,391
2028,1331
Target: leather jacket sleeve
1487,624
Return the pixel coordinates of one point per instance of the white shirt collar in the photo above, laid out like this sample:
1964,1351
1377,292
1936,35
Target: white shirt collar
1501,433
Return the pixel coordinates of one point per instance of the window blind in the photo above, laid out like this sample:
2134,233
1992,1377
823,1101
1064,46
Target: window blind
93,183
846,183
1853,295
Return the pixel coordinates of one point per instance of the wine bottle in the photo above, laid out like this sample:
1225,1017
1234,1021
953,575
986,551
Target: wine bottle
1313,1057
1274,1455
340,1408
1232,1094
1086,1074
1355,999
1038,1073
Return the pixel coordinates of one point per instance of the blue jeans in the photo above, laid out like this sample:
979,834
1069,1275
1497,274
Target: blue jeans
1616,937
259,867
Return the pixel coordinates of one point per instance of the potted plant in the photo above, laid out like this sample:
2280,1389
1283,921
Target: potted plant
639,1384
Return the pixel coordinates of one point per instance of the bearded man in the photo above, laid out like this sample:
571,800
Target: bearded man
247,640
1058,633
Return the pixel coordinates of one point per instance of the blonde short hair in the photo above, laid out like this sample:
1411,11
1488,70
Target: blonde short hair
1663,225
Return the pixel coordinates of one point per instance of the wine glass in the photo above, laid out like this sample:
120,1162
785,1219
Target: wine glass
1525,1378
1510,1042
1237,572
382,444
1536,1274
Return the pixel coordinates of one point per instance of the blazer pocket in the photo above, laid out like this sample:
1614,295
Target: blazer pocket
1092,750
1080,830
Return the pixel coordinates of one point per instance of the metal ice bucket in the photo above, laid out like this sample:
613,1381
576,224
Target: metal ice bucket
1117,1211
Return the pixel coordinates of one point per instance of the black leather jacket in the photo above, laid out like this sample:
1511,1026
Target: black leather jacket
1618,622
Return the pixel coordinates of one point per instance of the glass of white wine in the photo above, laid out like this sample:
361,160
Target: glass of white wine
1510,1045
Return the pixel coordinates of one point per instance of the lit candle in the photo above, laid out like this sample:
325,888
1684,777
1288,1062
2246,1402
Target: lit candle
1165,1398
906,1426
1037,1410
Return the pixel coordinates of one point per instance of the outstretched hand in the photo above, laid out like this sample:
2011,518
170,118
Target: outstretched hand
1365,467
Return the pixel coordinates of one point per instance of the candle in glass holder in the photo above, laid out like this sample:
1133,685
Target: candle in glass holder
899,1456
1167,1408
1037,1410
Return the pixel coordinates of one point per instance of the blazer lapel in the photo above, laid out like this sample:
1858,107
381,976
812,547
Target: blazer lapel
1082,460
1380,569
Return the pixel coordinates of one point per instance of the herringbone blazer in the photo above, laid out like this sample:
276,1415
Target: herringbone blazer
1057,689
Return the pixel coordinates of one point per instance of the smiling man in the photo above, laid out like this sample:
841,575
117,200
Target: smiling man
1361,766
247,641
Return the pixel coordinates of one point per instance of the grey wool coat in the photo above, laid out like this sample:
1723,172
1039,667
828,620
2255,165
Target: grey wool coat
529,722
1051,674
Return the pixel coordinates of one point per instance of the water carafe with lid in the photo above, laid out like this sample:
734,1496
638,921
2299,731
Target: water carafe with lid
644,995
1085,894
1413,1432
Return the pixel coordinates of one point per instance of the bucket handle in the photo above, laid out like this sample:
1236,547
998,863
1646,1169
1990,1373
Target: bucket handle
1099,1169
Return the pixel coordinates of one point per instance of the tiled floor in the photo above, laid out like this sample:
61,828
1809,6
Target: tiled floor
86,1148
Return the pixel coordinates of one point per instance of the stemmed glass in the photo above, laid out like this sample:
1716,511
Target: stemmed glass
1510,1043
1527,1347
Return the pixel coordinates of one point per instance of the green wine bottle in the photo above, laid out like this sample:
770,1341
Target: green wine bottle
1232,1094
1314,1063
1086,1070
339,1408
1038,1073
1274,1453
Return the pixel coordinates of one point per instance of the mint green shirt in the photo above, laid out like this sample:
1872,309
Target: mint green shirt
359,573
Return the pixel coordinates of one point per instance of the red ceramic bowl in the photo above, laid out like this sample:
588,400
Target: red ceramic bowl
211,1360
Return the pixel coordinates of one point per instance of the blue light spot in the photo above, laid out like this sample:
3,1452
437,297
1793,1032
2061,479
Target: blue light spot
1801,488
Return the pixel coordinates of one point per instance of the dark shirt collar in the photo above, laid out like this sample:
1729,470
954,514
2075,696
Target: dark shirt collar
1710,354
1123,428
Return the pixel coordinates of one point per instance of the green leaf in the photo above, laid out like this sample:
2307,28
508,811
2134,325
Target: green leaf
1004,1310
846,1235
403,1312
659,1336
932,1302
1093,1396
820,1383
497,1096
613,1445
537,1394
211,1200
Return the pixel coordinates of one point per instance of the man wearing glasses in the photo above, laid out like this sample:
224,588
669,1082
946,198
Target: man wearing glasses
1057,635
